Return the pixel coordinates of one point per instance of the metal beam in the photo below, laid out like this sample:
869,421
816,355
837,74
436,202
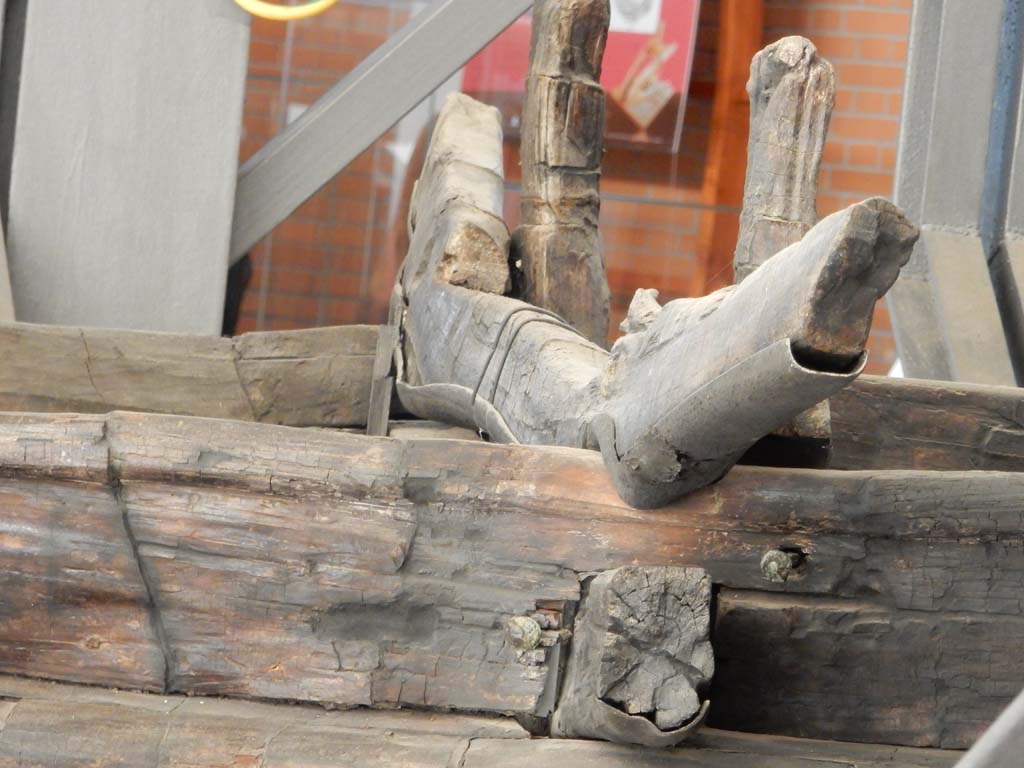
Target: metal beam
945,311
123,161
360,108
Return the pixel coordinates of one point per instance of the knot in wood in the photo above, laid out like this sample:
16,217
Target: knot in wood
777,566
523,633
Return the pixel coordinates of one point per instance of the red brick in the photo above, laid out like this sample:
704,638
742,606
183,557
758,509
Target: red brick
872,102
863,155
826,20
877,22
866,129
836,46
871,75
862,181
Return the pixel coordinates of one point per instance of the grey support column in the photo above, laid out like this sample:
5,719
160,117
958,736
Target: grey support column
945,310
124,161
1011,254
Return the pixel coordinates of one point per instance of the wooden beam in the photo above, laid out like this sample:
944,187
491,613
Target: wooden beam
322,378
316,377
740,31
61,726
777,655
359,109
273,562
882,423
792,91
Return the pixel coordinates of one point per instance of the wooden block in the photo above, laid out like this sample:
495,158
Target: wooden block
318,377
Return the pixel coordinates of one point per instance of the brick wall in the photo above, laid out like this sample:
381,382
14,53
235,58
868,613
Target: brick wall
333,261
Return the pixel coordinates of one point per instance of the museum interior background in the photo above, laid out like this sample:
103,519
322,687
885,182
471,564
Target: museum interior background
670,191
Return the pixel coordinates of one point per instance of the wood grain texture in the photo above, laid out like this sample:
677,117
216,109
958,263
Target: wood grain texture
296,564
880,423
792,91
62,726
932,678
316,377
322,377
558,244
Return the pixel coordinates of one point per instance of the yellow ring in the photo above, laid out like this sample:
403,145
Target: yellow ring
275,12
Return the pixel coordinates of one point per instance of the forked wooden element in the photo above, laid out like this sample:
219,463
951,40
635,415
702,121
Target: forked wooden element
558,245
677,402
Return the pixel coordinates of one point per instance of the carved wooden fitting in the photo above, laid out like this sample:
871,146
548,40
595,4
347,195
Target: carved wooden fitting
641,661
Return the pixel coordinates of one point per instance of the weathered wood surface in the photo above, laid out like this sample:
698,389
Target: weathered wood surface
671,408
322,377
558,244
880,423
640,663
316,377
63,726
928,675
792,91
180,554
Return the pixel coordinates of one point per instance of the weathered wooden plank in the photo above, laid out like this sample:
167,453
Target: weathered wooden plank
711,749
931,678
121,196
323,566
316,377
792,91
74,605
61,726
880,423
322,377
